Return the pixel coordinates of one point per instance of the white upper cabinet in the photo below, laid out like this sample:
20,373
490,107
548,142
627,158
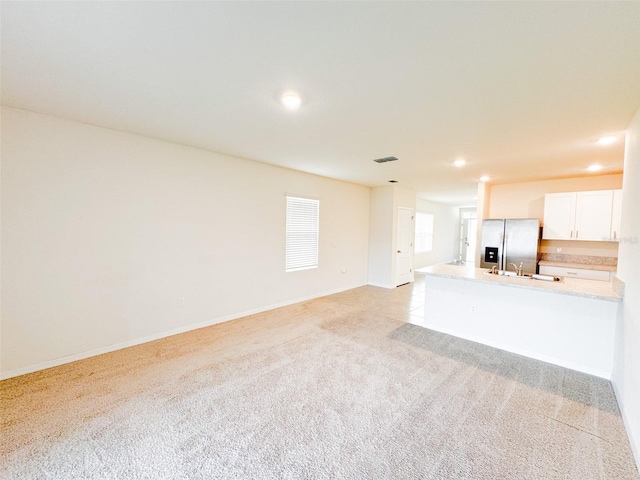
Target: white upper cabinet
616,215
559,216
593,215
579,216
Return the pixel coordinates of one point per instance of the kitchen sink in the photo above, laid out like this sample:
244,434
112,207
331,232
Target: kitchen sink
506,273
535,276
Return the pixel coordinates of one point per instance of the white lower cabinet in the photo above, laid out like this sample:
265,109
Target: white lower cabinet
575,273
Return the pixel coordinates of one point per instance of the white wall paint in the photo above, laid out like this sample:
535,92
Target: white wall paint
383,215
381,239
102,232
446,232
626,374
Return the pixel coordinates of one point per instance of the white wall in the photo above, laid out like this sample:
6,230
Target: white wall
102,231
626,374
383,219
381,240
446,233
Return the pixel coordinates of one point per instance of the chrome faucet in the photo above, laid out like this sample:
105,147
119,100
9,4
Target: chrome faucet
519,270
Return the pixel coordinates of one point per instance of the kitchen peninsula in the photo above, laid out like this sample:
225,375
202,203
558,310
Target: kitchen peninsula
569,323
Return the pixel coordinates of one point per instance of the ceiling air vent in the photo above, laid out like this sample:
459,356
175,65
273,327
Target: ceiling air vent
386,159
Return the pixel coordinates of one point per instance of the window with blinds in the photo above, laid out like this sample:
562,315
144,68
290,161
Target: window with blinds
302,238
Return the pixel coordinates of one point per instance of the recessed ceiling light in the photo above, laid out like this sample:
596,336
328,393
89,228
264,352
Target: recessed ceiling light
607,140
484,178
594,168
292,101
459,163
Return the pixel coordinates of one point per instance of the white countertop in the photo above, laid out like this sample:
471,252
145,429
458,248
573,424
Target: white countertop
568,286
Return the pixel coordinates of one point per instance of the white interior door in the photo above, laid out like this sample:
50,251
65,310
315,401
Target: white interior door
469,227
404,244
468,235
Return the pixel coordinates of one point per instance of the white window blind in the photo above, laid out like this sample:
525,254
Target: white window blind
424,232
303,215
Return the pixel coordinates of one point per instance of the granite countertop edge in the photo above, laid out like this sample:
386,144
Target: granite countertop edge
569,286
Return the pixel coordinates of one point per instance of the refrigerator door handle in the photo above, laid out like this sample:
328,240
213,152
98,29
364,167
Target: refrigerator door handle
503,261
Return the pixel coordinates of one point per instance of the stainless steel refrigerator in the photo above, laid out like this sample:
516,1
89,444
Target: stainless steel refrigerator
507,241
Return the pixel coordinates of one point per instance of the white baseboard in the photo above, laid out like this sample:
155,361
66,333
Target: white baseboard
635,448
157,336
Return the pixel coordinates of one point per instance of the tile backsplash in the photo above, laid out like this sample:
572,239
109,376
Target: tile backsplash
582,259
574,251
579,247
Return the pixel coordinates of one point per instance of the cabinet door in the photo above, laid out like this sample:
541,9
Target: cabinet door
559,216
593,215
616,215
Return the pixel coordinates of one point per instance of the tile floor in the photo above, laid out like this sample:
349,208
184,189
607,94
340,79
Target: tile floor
405,302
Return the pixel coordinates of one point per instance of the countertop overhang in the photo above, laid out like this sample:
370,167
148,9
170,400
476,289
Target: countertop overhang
594,289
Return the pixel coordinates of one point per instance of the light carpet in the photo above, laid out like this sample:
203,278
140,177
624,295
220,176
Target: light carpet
338,387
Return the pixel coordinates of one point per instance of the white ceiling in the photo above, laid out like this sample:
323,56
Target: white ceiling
522,90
